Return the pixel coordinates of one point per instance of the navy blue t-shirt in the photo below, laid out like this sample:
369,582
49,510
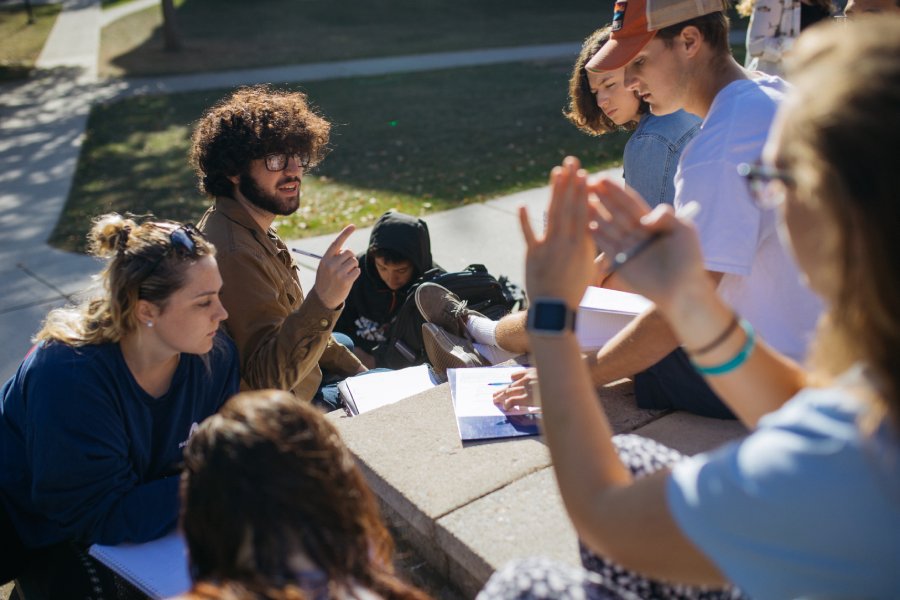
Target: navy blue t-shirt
87,455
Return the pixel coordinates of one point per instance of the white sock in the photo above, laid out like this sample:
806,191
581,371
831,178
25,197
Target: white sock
482,329
494,354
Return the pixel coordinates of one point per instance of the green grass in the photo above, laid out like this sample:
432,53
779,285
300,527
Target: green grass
112,3
22,43
230,34
421,143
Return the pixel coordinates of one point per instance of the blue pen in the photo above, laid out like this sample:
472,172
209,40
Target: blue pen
500,383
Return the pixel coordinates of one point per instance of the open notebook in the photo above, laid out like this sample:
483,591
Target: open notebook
158,568
477,417
367,392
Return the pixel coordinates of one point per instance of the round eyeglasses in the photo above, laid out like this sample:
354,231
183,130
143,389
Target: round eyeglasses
279,161
768,185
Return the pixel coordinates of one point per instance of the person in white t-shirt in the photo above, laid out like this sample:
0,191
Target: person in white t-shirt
688,65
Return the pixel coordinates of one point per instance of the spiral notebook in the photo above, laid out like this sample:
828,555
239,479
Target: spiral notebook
158,568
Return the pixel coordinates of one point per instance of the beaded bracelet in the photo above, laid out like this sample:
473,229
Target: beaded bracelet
720,339
739,359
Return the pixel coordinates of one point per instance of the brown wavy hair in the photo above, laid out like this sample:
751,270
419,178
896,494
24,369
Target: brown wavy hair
840,143
141,266
249,124
268,484
582,110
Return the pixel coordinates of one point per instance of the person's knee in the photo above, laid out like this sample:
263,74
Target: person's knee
344,340
511,334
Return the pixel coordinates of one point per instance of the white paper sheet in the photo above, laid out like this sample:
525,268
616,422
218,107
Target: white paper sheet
380,389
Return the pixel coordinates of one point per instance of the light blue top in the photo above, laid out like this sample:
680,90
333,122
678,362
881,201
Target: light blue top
652,153
807,506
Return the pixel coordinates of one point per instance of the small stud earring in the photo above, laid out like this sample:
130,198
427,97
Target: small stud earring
150,324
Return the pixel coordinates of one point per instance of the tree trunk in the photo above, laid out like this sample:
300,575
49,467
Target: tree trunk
172,40
30,12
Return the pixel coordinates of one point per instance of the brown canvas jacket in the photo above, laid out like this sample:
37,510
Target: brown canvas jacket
284,339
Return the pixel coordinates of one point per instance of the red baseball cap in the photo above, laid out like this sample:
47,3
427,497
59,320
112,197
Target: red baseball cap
635,22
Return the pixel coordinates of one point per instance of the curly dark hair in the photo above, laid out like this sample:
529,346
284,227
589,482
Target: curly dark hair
249,124
582,110
268,485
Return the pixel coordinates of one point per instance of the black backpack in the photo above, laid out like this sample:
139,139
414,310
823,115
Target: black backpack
491,296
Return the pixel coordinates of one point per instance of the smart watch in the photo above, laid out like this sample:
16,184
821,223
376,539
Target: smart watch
550,316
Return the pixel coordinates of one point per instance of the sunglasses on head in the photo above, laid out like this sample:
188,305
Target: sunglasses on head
182,240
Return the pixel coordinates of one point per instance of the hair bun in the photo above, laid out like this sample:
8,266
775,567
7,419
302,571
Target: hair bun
109,235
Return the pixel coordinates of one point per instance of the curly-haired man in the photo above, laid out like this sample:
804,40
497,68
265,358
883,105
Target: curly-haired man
250,152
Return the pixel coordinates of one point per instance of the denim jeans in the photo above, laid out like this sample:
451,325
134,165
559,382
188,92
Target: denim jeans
328,397
674,383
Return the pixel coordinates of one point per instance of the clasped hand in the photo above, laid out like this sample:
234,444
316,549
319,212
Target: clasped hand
586,218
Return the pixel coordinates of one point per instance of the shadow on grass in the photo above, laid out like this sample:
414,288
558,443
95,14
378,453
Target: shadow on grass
23,41
234,34
419,142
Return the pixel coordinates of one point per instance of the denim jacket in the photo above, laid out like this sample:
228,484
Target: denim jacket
652,153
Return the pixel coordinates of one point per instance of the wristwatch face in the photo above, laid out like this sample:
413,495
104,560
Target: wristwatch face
549,316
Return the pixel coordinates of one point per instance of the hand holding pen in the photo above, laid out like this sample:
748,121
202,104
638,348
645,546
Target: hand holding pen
307,253
654,252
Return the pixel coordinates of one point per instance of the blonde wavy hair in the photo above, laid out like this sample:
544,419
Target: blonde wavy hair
140,267
840,143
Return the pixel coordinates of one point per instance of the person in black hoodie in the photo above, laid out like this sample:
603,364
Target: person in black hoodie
399,253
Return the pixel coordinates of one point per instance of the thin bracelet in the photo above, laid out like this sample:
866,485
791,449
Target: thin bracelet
719,339
739,359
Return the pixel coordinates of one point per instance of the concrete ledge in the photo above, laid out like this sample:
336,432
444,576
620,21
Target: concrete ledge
690,434
621,409
523,519
413,459
467,509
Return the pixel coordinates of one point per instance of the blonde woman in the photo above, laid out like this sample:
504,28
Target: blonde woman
95,420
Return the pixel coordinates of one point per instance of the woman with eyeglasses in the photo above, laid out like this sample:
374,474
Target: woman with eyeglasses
95,420
808,504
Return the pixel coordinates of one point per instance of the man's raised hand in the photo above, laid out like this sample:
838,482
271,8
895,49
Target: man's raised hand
337,271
